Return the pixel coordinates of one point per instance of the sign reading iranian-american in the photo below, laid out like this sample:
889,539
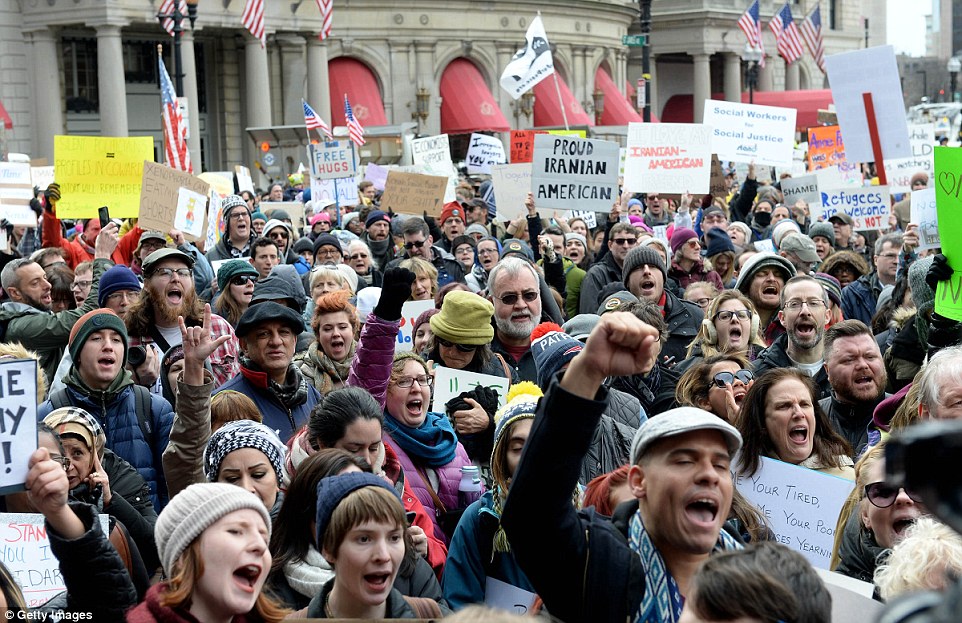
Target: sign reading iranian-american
668,158
574,173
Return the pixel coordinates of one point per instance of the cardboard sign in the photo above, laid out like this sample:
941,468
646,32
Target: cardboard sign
18,421
484,151
869,207
870,70
94,171
332,160
294,209
569,173
342,191
243,177
16,191
512,183
376,174
899,171
222,182
409,314
924,213
803,188
503,596
590,218
449,383
948,188
668,158
160,194
717,184
412,193
801,506
825,147
431,150
190,213
41,177
751,133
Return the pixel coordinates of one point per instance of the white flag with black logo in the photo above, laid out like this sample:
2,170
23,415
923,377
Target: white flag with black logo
531,64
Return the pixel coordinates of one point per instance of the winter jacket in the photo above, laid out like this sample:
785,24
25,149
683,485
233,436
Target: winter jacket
859,298
741,204
625,409
449,269
858,552
598,276
776,356
224,250
184,455
151,611
52,236
904,358
395,606
284,421
524,370
851,422
610,449
652,401
116,410
696,274
574,277
683,320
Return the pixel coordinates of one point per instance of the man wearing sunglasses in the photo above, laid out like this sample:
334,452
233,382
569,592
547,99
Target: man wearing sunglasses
514,290
621,239
283,236
418,242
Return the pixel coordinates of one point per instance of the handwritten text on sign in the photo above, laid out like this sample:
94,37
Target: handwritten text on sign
801,506
484,151
160,196
751,133
409,313
332,160
899,171
868,207
574,173
18,421
512,183
412,193
948,203
94,171
668,158
431,150
925,214
449,383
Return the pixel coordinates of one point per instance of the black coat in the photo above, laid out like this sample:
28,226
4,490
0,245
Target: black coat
775,356
850,421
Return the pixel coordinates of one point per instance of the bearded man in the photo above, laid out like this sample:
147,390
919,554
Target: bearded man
514,291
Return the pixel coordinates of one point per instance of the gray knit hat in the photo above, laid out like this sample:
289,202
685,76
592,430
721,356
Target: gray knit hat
243,434
823,229
580,326
193,510
759,261
922,294
638,257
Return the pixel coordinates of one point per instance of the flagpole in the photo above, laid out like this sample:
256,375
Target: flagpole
561,103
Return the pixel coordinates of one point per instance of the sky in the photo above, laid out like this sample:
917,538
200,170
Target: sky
906,25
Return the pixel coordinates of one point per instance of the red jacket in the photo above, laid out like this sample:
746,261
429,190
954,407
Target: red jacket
52,236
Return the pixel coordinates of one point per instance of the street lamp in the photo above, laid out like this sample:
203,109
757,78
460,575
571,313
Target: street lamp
598,103
644,18
178,19
751,56
954,66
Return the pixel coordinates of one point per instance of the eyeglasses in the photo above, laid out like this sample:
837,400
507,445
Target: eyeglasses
238,216
167,273
464,348
726,315
512,298
63,460
889,256
694,244
80,285
328,252
358,256
703,303
487,251
795,304
241,280
723,379
416,243
624,241
123,294
883,495
423,381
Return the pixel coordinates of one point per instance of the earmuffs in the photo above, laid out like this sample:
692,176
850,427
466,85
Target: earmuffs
712,333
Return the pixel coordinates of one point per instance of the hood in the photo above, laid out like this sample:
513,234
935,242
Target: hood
73,380
838,258
900,316
12,308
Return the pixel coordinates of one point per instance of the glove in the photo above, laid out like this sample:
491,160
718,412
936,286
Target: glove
51,195
939,271
395,290
487,397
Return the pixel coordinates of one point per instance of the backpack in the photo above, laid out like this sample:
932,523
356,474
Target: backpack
61,399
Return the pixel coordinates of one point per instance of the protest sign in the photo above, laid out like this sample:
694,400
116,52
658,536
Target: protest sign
16,191
409,313
512,183
431,150
900,170
41,177
222,182
18,421
590,218
801,505
875,71
948,187
25,552
661,233
484,151
449,383
244,180
825,147
342,191
717,185
159,195
503,596
376,174
294,209
869,207
924,213
668,158
413,193
851,598
751,133
522,145
766,245
568,173
332,160
190,213
804,188
215,219
94,171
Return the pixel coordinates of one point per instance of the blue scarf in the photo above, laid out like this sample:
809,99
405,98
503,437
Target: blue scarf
434,442
662,602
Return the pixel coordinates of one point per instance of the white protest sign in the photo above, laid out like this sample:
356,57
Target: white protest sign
875,71
924,213
16,191
3,241
589,217
621,161
41,177
449,383
342,191
484,151
214,214
829,178
764,245
409,313
899,171
512,183
244,180
751,133
800,504
216,264
869,207
668,157
18,421
805,188
661,232
191,210
431,150
332,160
503,596
568,172
851,598
376,174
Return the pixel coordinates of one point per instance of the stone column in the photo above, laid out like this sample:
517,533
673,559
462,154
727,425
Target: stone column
733,77
47,95
110,81
293,77
702,85
318,81
579,86
766,75
791,76
190,92
424,68
256,83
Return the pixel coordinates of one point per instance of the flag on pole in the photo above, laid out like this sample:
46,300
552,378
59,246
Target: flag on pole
253,19
353,126
167,8
812,33
313,121
787,38
751,24
327,10
175,132
529,65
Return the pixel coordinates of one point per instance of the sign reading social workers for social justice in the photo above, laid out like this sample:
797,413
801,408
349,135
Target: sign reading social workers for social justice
483,151
574,173
668,158
751,133
94,171
18,421
332,160
869,207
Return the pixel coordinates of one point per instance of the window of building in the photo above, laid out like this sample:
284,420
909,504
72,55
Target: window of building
833,15
80,75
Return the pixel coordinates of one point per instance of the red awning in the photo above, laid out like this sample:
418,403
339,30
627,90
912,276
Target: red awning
679,108
466,102
5,117
352,77
617,110
547,108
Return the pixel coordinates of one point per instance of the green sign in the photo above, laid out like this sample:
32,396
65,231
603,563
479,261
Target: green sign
948,201
634,41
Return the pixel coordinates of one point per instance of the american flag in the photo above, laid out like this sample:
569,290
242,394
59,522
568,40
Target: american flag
812,33
327,10
175,132
253,19
353,126
167,8
313,120
787,37
751,25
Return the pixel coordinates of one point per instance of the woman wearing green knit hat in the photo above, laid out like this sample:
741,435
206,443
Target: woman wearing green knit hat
235,282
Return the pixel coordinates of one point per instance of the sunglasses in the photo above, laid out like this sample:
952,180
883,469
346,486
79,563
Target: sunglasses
883,495
512,298
623,241
464,348
357,256
723,379
418,244
241,280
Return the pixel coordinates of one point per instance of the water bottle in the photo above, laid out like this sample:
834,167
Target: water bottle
469,489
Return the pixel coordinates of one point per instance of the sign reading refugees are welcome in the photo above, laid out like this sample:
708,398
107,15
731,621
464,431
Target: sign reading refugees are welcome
668,157
574,173
751,133
868,207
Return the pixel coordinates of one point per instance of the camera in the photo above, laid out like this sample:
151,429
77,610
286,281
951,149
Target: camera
136,356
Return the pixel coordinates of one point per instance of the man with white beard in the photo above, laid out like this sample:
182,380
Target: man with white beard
514,291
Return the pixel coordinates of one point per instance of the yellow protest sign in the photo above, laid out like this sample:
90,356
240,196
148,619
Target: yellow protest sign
96,171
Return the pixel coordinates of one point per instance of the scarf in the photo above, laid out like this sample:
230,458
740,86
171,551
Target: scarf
434,443
292,394
330,369
648,386
89,250
662,602
309,575
480,276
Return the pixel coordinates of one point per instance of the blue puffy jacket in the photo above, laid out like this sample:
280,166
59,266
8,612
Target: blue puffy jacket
285,422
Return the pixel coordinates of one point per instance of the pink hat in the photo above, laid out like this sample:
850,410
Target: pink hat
322,216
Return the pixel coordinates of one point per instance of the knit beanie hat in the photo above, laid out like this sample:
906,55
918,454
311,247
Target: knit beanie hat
581,326
257,215
463,239
573,235
231,269
745,229
832,287
517,247
922,294
319,217
347,218
243,434
465,318
680,237
823,229
425,317
376,216
76,421
782,229
333,489
476,228
552,348
193,510
756,263
718,242
452,208
327,240
274,223
303,245
114,279
94,320
230,203
638,257
615,300
366,302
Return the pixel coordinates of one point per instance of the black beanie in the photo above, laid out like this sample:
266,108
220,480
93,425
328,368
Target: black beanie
638,257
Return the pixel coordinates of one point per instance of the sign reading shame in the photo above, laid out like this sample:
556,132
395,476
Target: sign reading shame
668,158
574,173
751,133
804,188
18,421
869,207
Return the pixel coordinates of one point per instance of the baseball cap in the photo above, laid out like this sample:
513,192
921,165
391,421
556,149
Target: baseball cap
802,246
680,421
165,254
842,216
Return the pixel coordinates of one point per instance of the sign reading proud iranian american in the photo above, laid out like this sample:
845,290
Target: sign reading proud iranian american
574,173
